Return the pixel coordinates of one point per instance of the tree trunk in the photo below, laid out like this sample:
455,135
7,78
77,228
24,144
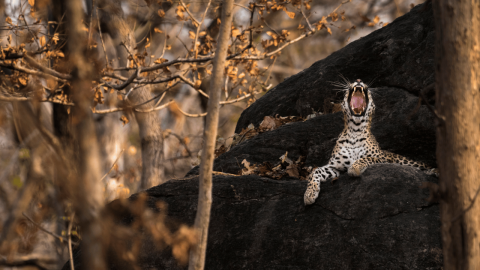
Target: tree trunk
202,219
151,139
151,135
458,135
88,189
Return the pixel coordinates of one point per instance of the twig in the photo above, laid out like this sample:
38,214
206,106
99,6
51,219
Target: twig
306,19
91,25
190,14
31,71
441,119
101,37
192,114
69,233
113,165
156,108
46,70
468,208
30,31
45,230
160,99
182,141
21,55
198,29
344,2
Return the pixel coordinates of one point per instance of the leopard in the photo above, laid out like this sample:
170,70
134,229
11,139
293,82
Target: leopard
356,147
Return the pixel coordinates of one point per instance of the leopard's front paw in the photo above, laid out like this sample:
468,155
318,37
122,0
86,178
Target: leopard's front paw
433,172
354,171
310,195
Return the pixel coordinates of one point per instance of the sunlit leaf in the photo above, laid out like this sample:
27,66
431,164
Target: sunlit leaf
124,119
290,14
161,13
17,182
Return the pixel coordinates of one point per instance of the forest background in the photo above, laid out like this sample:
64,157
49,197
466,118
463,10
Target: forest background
145,68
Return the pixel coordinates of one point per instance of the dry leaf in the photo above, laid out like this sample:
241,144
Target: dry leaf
267,124
124,119
9,20
157,30
248,170
31,2
292,170
197,85
290,14
235,32
191,34
161,13
22,81
334,16
42,41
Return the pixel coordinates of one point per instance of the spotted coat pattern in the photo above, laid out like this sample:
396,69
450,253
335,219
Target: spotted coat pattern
356,149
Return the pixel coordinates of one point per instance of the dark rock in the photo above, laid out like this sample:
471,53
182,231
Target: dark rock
395,125
399,55
380,220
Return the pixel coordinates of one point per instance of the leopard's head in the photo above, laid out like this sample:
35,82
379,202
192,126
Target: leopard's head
358,100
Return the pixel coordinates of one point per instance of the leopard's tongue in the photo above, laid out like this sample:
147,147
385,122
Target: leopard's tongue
357,101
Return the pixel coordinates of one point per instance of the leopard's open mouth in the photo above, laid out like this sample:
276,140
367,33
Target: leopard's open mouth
358,101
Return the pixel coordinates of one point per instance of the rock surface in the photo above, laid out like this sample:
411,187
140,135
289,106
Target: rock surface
380,220
399,55
395,126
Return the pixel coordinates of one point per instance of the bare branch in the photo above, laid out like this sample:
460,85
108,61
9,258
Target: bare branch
101,36
45,230
46,70
192,114
69,233
198,29
113,165
21,55
189,13
30,71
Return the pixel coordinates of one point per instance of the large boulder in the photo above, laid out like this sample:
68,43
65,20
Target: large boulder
398,127
399,55
380,220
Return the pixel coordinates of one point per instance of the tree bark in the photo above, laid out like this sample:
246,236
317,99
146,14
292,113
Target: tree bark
151,135
202,219
88,189
458,135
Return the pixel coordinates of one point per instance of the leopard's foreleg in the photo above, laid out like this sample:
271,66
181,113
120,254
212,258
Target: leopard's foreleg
360,165
320,174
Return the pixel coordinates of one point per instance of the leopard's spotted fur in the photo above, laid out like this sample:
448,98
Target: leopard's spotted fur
356,148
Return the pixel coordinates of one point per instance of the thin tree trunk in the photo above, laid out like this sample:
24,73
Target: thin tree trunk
148,123
151,139
202,219
88,189
458,135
